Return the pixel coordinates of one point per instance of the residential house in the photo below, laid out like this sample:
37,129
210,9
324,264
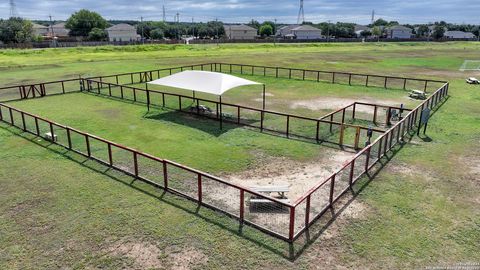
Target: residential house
307,32
40,30
286,31
59,30
299,32
361,28
122,32
398,32
235,31
458,35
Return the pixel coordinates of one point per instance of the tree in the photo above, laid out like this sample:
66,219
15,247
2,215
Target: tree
83,21
380,22
476,32
376,31
423,31
253,23
16,30
157,34
97,34
365,33
272,24
266,30
438,31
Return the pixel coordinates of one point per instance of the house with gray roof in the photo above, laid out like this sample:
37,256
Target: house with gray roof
59,30
299,32
398,32
458,35
122,32
240,31
40,30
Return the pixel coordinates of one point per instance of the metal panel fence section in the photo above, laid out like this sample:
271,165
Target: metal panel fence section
314,201
367,80
289,125
63,86
271,216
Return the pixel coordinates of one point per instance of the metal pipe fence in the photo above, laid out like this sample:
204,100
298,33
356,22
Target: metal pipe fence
314,203
289,125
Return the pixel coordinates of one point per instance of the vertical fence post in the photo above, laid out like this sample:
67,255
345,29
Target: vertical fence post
51,131
199,179
37,128
23,122
307,211
289,73
331,123
69,138
288,125
333,77
425,87
163,99
238,114
352,170
357,137
1,115
366,81
276,72
332,189
303,76
87,142
135,164
318,131
367,158
354,109
404,84
131,77
121,91
134,94
350,79
261,121
11,116
343,116
291,230
165,175
318,76
375,114
116,79
242,205
380,148
63,87
342,129
110,156
385,83
109,89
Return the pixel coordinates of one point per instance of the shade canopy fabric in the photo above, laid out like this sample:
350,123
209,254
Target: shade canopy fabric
203,81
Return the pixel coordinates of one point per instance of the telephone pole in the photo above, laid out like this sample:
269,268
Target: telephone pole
51,25
141,23
163,10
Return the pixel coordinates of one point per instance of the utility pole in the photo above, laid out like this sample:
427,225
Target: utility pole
141,23
193,29
51,25
328,31
178,26
275,32
163,11
13,9
216,28
301,14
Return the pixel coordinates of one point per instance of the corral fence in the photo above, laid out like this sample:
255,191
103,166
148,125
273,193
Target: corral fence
276,217
369,80
289,125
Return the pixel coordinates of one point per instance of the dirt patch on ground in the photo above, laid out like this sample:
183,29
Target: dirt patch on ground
144,255
332,103
299,176
147,255
185,257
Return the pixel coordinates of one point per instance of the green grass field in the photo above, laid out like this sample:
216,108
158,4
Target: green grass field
59,210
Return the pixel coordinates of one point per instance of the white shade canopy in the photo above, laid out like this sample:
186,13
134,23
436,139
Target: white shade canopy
203,81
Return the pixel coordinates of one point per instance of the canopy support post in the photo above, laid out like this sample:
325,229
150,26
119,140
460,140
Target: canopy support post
221,120
263,105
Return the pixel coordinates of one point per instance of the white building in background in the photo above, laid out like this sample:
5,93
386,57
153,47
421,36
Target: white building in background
40,30
458,34
398,32
235,31
122,32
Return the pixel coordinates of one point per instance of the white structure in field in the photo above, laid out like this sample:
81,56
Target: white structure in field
458,34
235,31
470,65
122,32
398,32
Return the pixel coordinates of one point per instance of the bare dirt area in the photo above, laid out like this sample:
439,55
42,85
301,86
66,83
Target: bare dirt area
299,176
334,103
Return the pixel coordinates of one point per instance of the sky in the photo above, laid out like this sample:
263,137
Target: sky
241,11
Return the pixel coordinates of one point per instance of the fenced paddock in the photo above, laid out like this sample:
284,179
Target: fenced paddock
286,221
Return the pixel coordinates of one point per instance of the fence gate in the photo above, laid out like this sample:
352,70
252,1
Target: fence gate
32,91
